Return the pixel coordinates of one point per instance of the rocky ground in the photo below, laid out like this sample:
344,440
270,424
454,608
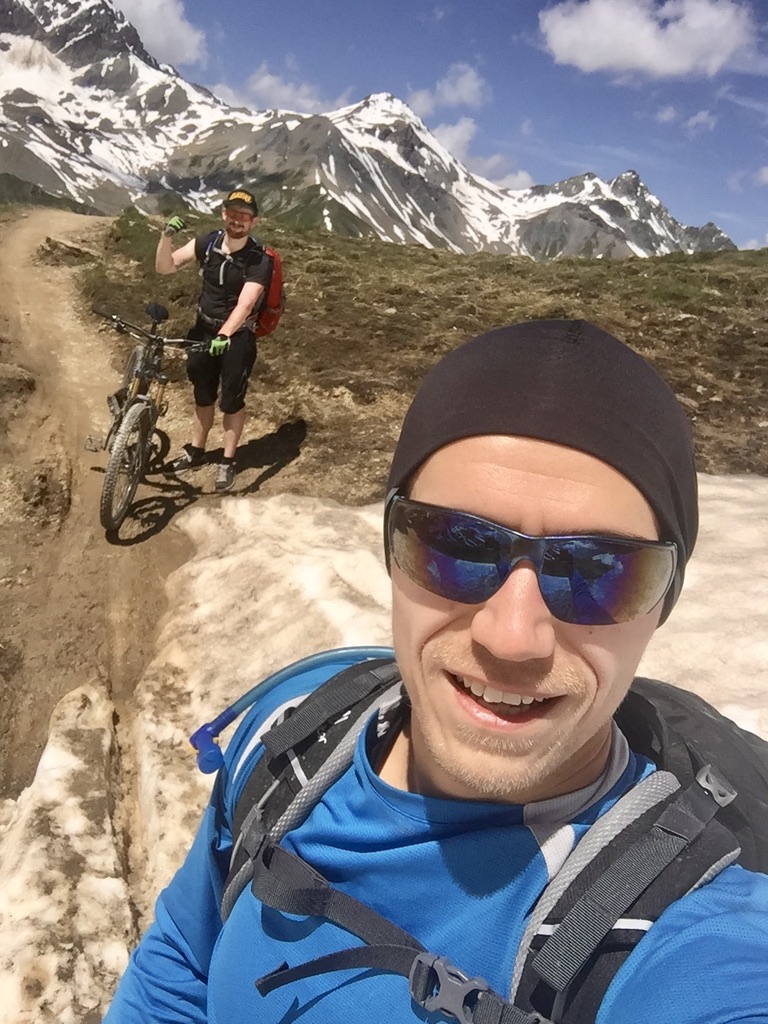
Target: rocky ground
66,593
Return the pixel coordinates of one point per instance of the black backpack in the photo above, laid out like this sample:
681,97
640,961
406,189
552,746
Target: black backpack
673,832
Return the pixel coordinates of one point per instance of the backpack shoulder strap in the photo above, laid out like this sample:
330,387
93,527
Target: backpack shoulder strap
653,846
611,882
209,241
303,756
253,243
618,896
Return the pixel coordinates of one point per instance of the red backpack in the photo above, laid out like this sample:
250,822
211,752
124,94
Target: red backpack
273,305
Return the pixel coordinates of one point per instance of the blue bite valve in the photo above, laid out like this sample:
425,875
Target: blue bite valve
209,755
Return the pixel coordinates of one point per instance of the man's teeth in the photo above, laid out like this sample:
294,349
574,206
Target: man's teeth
491,696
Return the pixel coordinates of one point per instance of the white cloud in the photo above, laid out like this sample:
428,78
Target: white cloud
497,168
666,115
762,176
456,137
517,179
421,102
704,121
265,90
461,86
526,128
674,38
165,30
437,14
270,90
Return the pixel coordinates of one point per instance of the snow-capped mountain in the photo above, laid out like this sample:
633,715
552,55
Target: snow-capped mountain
87,114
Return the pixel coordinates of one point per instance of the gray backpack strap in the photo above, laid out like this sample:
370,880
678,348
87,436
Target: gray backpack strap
656,857
647,794
338,762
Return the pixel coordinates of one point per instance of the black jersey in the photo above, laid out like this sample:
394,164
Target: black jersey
224,274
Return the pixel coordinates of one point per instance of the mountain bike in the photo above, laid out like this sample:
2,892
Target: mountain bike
135,406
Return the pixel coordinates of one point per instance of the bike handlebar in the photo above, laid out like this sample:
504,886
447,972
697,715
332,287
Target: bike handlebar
141,332
125,325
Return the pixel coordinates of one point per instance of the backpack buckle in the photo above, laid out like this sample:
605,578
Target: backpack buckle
719,788
436,984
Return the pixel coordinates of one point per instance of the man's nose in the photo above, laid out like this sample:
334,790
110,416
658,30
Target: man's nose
515,623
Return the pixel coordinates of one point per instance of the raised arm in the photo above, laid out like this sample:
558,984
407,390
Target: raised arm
168,260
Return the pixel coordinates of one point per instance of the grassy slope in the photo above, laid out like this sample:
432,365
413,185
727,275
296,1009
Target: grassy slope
366,319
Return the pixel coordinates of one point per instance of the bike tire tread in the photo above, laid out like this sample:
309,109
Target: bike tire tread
135,422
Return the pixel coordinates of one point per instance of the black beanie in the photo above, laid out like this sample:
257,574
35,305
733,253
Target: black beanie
572,383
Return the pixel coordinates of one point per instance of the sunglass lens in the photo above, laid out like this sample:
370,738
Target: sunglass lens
596,583
446,553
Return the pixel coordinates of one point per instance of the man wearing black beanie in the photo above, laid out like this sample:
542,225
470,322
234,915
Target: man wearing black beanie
486,830
550,428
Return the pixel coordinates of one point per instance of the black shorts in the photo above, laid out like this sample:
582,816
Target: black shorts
230,370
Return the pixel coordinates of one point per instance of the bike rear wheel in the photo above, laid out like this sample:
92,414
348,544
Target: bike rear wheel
125,467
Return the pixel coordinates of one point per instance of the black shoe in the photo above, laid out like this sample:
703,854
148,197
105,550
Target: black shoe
188,459
225,476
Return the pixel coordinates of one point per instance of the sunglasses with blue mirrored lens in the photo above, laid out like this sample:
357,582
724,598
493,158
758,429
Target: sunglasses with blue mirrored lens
586,580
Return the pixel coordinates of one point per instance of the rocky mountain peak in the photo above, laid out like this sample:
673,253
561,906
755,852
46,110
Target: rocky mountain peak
577,185
79,32
377,110
628,184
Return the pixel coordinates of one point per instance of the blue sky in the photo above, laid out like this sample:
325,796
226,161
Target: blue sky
523,92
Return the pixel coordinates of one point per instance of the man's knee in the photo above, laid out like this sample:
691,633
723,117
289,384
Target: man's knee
231,404
234,386
205,392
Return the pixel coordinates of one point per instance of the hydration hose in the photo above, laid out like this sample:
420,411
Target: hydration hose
205,740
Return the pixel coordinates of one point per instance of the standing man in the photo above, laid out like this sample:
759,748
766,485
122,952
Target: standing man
235,272
541,511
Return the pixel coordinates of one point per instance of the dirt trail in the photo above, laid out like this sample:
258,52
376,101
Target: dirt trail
73,606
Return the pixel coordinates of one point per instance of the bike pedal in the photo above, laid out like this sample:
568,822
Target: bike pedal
94,444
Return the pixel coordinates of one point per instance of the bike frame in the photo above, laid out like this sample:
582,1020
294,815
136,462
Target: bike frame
149,382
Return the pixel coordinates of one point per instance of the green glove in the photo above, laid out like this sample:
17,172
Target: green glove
219,345
174,224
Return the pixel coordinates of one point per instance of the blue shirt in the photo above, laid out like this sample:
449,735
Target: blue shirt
460,876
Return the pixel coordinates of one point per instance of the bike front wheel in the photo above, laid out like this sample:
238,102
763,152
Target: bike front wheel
125,467
135,368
